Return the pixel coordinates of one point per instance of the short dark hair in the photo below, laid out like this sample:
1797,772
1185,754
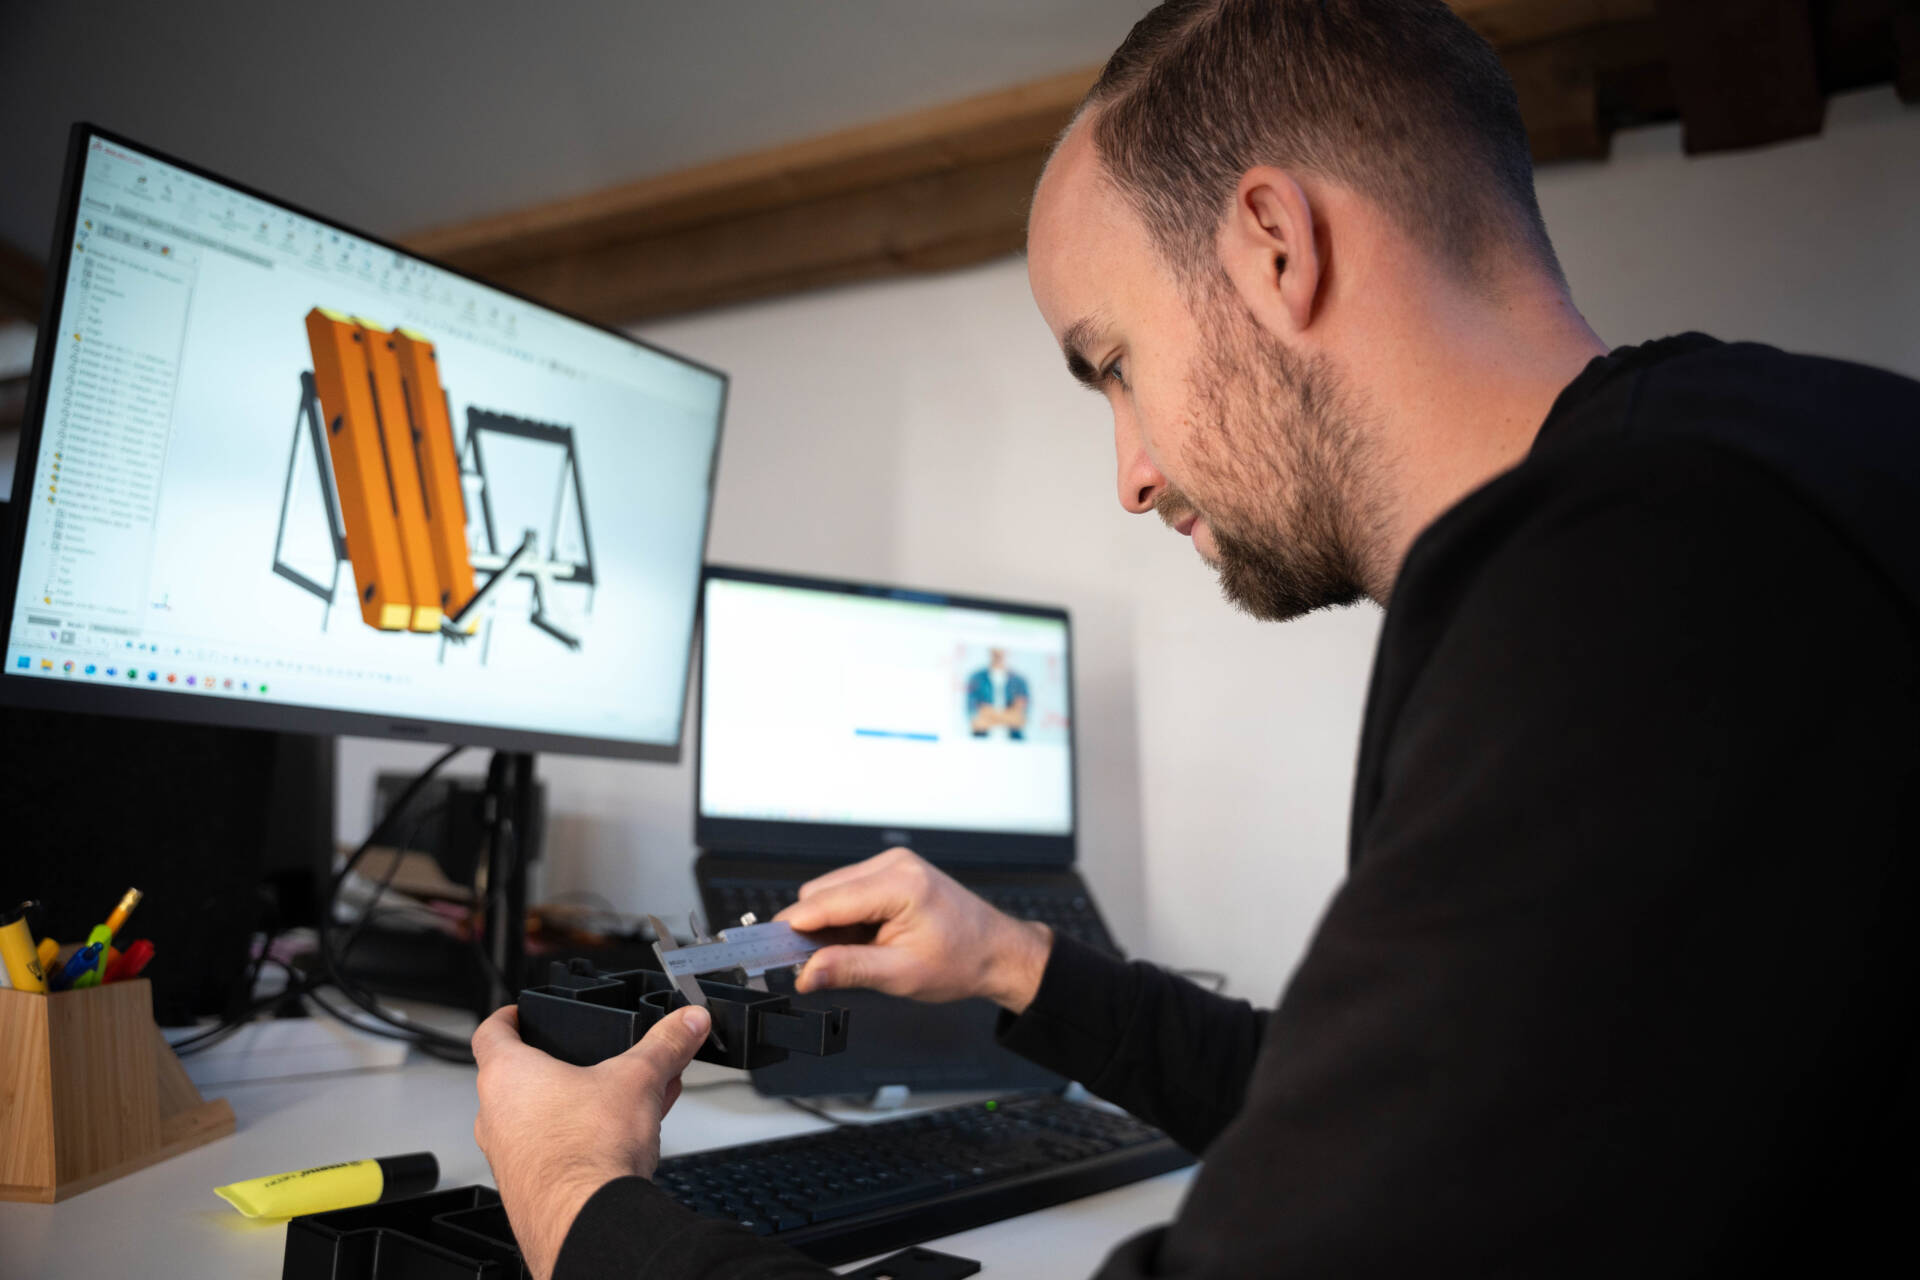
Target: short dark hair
1399,100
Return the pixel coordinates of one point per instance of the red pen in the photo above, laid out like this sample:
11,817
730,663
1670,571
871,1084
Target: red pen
131,962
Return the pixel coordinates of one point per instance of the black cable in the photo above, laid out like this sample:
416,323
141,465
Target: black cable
209,1036
386,881
410,1036
428,1040
300,986
241,1007
394,810
479,937
817,1113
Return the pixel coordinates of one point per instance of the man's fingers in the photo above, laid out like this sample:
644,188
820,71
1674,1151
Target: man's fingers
877,968
871,899
854,871
664,1052
502,1028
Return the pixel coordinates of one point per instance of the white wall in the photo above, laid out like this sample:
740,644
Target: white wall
923,431
1813,245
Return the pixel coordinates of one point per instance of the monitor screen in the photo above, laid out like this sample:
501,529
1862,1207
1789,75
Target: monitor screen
279,473
848,705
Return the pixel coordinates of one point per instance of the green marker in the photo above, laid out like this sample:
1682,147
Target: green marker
91,978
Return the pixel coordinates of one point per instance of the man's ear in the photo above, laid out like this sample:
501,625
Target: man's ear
1270,252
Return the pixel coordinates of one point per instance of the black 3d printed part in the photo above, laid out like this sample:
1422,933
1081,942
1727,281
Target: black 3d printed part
445,1235
584,1016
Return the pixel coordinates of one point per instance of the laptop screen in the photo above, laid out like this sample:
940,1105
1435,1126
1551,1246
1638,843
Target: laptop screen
838,705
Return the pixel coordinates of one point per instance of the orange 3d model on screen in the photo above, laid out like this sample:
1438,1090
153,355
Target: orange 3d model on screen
374,443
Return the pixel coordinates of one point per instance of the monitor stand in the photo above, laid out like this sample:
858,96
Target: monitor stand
510,814
491,844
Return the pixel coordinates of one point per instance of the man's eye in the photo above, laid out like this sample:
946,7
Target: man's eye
1113,373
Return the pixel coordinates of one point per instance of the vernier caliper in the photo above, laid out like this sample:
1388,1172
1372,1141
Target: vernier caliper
749,946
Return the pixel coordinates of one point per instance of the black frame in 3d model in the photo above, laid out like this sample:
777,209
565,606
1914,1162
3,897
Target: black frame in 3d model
542,572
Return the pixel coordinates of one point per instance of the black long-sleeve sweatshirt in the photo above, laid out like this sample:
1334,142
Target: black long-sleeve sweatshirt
1622,981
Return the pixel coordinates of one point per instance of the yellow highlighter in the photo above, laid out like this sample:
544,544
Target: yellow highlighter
334,1186
17,950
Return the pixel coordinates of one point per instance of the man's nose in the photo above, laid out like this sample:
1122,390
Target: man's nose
1140,481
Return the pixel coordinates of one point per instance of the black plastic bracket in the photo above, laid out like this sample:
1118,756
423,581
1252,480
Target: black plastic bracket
584,1016
444,1234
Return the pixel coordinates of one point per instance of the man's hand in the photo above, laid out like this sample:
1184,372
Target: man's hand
936,941
554,1134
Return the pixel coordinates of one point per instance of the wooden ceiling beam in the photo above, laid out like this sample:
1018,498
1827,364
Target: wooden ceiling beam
1744,71
949,186
926,222
955,137
1511,24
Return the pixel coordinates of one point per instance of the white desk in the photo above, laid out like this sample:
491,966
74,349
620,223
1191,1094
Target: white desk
166,1222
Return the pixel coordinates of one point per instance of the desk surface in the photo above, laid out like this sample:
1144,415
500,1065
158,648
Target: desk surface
165,1221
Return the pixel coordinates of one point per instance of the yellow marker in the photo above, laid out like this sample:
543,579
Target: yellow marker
334,1186
18,952
49,952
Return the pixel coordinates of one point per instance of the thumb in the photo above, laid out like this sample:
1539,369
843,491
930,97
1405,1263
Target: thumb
664,1052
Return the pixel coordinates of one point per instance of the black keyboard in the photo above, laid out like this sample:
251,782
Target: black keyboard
863,1189
1063,908
1069,912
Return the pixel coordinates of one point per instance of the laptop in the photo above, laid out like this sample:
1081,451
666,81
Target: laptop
838,719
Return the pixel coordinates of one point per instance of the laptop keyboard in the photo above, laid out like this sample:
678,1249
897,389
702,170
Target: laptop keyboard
1064,909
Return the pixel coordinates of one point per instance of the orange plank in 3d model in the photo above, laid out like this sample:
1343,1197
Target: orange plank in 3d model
403,471
439,466
341,376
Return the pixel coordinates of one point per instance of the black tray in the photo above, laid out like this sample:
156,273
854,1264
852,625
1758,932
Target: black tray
460,1234
584,1016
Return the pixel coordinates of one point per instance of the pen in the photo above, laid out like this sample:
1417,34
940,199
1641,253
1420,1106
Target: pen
128,901
131,962
98,942
78,963
17,950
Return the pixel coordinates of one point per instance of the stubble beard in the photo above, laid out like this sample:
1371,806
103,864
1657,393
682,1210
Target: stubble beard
1278,470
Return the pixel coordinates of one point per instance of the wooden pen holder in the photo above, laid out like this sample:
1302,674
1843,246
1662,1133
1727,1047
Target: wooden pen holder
90,1091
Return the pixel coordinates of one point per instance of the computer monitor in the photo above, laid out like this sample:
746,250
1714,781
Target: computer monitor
841,717
278,473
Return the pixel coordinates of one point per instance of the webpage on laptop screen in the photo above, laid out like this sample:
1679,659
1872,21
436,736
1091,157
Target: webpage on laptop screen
820,706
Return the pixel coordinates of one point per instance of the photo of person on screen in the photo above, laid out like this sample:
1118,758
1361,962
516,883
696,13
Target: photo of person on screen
997,699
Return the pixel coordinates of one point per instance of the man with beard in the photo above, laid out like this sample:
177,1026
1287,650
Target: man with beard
1619,982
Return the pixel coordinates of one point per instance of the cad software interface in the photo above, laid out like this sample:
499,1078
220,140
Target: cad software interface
822,706
282,463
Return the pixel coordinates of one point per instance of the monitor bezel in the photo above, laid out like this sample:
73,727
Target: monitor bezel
835,840
154,704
